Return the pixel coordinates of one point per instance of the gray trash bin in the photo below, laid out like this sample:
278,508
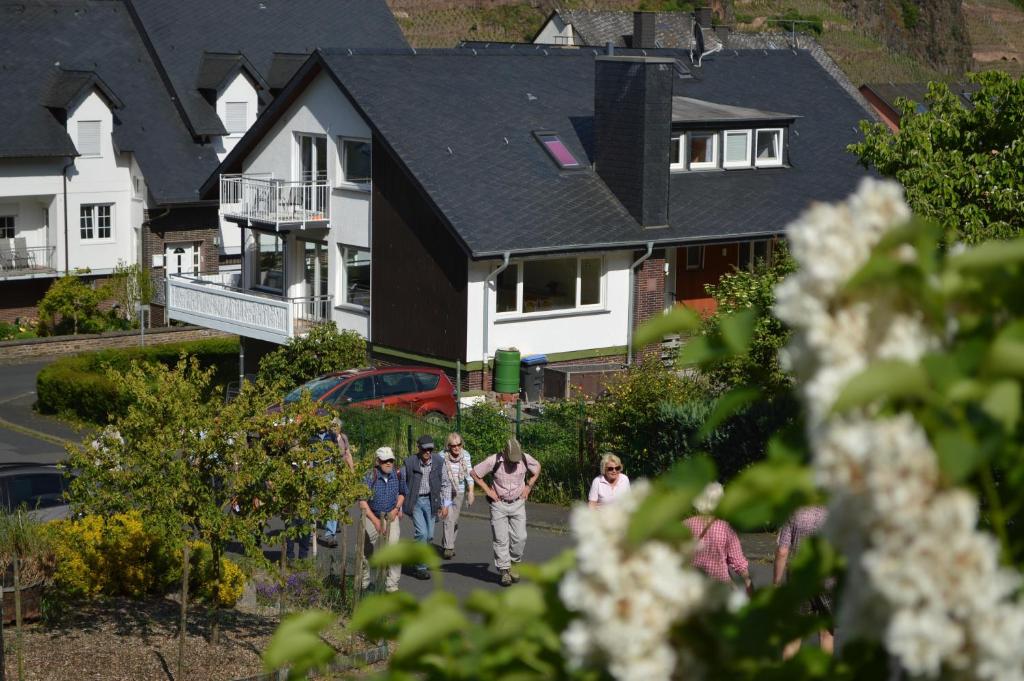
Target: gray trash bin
531,375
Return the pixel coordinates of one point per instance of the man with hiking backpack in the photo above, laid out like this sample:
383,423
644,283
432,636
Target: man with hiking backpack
507,496
381,512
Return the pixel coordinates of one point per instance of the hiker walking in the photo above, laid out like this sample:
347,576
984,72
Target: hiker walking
718,553
338,439
456,486
381,512
507,496
805,522
610,485
423,473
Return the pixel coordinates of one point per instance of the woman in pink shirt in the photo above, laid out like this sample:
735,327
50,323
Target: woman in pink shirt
718,546
610,485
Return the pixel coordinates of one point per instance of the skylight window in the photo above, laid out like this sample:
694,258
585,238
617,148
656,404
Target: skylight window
557,150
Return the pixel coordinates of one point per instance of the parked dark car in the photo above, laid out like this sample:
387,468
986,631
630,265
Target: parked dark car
425,391
39,488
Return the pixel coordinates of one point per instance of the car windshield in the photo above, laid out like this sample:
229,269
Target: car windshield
317,388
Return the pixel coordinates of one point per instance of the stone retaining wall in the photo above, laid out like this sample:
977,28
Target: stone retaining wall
55,346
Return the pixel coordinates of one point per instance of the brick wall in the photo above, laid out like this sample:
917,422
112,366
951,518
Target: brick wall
649,299
23,350
20,297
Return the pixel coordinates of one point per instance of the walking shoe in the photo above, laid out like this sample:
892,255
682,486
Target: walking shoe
422,573
506,578
513,573
328,540
449,554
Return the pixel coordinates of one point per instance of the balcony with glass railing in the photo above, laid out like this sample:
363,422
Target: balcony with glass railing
217,301
18,261
262,199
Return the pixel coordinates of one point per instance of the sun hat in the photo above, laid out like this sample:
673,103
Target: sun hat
513,450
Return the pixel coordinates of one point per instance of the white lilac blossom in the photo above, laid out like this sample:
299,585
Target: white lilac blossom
920,574
628,597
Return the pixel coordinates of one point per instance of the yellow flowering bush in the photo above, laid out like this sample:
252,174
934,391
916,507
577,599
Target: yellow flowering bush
203,582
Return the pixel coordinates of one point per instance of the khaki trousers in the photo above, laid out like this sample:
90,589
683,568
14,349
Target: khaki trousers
450,525
373,539
508,531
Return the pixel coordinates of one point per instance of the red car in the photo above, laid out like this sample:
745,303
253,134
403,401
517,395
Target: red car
425,391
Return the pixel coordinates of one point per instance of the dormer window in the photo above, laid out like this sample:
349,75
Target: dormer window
737,149
768,148
89,138
703,150
236,116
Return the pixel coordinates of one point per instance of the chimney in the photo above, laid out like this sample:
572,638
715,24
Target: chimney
632,130
643,30
703,16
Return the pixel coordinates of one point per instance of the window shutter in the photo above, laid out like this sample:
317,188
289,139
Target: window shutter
736,148
89,138
237,115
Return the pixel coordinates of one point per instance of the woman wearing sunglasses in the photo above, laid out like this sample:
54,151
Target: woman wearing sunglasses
610,485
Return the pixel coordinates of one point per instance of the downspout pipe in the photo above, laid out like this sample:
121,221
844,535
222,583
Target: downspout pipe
67,244
493,276
632,296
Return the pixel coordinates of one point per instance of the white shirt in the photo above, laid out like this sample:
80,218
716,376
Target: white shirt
604,492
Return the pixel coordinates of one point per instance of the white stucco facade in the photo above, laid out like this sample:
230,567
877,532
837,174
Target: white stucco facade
239,90
547,333
108,184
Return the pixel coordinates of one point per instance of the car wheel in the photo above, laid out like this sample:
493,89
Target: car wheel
435,418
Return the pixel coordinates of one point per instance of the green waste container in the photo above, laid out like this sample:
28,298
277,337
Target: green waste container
506,371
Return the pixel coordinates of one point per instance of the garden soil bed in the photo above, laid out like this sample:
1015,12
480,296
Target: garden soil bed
122,639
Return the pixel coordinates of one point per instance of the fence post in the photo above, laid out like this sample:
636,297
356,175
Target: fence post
408,433
357,578
519,417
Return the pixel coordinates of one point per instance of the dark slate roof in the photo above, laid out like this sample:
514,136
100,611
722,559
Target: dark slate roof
216,67
181,30
283,66
598,27
67,85
690,110
97,37
475,155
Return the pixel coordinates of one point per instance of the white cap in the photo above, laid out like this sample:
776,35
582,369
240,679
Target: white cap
385,454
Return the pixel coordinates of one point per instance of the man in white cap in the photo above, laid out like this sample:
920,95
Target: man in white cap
381,513
507,496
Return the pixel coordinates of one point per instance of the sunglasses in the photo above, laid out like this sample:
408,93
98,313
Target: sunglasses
389,462
454,444
613,468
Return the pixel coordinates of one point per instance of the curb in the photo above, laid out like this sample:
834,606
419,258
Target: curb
37,434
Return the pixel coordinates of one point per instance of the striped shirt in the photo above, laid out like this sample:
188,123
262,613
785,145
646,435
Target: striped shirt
718,548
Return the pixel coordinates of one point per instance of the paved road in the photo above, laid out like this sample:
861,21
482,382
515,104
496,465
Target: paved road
24,434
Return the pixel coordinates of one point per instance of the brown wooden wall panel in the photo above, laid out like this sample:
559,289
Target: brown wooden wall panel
419,270
719,259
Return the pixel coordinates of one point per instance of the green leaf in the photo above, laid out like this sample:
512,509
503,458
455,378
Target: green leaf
659,515
297,643
438,619
1003,404
958,453
376,607
766,493
737,330
989,254
680,320
406,553
888,378
1006,354
727,405
697,351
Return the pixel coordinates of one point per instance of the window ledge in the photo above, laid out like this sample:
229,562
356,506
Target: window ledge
349,307
96,242
505,317
354,187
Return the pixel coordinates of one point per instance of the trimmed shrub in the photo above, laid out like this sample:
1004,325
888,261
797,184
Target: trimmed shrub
485,430
80,385
322,350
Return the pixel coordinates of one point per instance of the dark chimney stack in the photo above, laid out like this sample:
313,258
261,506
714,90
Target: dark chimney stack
643,30
703,16
632,129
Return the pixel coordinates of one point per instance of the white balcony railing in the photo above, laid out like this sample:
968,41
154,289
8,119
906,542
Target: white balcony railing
274,202
212,301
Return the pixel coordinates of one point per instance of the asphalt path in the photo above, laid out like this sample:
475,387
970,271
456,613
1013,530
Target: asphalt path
26,436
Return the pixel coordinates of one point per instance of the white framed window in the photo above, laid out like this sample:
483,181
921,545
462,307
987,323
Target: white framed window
6,226
768,147
89,138
694,257
96,222
551,285
737,149
702,150
355,160
676,161
236,117
752,253
355,276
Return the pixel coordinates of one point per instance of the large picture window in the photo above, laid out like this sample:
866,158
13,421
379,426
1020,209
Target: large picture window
550,285
270,262
356,273
95,221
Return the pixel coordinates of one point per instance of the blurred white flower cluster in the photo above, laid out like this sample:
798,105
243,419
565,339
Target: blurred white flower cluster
919,570
628,598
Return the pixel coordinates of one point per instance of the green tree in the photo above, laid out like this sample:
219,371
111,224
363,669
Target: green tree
70,306
130,285
322,350
962,167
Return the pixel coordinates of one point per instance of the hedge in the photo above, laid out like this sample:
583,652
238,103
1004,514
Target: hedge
80,385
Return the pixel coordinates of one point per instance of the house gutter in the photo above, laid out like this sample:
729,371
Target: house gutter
487,300
67,244
632,296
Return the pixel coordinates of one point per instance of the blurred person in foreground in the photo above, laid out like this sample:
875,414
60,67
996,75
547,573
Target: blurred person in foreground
718,553
805,522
